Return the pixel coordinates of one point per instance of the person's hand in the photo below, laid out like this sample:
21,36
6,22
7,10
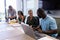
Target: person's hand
39,30
16,21
10,17
31,27
34,28
22,18
37,27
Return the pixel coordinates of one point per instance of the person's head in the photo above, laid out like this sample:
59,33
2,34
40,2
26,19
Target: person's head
41,13
20,13
10,7
30,12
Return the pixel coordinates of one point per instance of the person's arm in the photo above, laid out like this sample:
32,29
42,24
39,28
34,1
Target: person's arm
36,20
22,19
47,32
53,28
36,23
50,32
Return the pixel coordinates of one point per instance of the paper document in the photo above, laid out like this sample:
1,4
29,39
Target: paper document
45,38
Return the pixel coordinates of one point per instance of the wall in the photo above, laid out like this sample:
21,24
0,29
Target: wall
58,24
58,21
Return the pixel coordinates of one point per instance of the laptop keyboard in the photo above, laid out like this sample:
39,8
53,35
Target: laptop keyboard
39,35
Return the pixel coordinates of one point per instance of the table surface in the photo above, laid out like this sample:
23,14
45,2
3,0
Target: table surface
9,32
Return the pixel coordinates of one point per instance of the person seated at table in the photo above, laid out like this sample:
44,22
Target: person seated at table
11,13
47,24
21,17
31,20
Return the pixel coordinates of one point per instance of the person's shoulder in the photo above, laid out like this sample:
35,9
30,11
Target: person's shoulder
8,9
51,18
28,17
40,19
33,17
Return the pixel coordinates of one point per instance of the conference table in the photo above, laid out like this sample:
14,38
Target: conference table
15,32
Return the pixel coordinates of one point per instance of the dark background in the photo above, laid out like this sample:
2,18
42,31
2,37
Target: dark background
51,4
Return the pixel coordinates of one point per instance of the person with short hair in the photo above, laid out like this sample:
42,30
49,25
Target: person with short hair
31,20
47,24
11,13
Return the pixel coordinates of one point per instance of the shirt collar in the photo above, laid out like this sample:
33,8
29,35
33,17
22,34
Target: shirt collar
45,18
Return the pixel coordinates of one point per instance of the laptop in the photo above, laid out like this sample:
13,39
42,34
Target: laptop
28,30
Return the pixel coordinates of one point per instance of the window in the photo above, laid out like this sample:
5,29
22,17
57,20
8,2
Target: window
12,3
2,10
30,5
40,3
4,4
